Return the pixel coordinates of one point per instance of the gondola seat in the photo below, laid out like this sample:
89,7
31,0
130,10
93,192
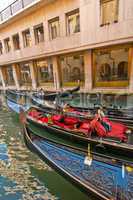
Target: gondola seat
70,120
57,118
64,122
118,130
43,119
85,127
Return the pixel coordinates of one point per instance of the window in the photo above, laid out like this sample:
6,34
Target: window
8,75
7,44
39,33
111,67
72,69
54,28
26,38
1,48
73,22
44,71
16,42
10,79
25,75
109,11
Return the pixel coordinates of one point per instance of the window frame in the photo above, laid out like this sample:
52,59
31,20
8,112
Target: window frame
60,70
116,15
40,81
25,40
73,12
14,42
37,40
55,19
112,83
7,47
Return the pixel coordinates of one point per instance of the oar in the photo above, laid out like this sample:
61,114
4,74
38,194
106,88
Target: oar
88,159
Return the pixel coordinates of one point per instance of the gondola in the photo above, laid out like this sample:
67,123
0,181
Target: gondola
118,140
39,98
118,107
17,100
106,178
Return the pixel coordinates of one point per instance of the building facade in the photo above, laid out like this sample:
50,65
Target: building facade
52,44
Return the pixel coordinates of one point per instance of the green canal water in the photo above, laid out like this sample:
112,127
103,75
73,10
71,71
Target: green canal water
23,176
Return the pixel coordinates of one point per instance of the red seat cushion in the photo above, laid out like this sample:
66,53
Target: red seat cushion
70,120
56,117
85,125
44,119
117,130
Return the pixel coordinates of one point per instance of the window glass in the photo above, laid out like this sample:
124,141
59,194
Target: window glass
26,38
111,65
25,76
7,44
8,75
109,11
39,33
72,69
44,71
73,22
54,28
16,42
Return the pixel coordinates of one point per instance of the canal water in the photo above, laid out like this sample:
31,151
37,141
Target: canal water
23,176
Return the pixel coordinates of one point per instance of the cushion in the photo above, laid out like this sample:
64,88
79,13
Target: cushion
56,117
117,130
70,120
44,119
85,125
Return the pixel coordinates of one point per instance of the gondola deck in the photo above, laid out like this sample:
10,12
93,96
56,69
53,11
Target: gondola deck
105,178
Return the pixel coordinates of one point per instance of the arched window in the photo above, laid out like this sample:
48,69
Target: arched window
123,70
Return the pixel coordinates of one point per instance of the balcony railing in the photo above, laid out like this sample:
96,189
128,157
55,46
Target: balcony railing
15,7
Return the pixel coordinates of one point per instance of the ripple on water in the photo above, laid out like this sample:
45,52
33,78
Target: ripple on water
16,179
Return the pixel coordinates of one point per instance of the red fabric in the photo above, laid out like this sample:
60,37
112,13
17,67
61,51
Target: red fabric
56,117
98,127
117,130
58,123
85,128
44,119
70,120
35,114
85,125
62,125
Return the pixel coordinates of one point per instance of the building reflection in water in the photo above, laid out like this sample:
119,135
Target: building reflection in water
16,179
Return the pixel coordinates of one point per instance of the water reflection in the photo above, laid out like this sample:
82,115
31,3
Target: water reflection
90,100
22,175
15,163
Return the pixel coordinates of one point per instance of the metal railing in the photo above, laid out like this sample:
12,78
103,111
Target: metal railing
13,8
